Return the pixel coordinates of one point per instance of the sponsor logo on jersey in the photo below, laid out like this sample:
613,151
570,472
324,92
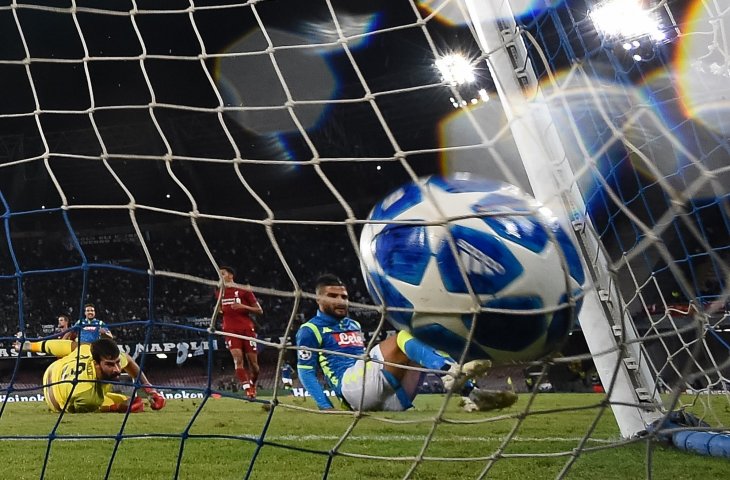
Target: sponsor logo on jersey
348,339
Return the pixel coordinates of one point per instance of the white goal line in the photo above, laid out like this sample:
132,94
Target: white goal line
356,438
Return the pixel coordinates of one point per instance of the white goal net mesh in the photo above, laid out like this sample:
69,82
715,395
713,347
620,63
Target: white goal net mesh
143,144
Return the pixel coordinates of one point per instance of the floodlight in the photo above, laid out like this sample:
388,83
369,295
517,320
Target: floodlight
455,69
626,19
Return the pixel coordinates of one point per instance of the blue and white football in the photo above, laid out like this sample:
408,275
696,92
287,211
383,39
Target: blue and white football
442,253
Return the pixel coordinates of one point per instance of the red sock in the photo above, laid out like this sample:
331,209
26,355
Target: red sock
242,375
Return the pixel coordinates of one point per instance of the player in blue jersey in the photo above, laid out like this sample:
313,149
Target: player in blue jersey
84,331
287,380
370,384
88,329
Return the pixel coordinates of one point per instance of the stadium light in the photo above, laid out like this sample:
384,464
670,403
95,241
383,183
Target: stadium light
455,69
626,19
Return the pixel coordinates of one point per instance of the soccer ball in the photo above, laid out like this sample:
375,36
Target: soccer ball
516,272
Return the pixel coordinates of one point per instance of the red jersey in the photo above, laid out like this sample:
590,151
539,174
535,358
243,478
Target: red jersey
237,319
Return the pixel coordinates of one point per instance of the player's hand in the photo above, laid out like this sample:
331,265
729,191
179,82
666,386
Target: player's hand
17,344
157,401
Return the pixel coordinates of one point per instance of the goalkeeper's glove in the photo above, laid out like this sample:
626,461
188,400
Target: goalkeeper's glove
136,407
17,345
156,399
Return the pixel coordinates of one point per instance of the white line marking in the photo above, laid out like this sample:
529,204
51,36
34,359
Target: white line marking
355,438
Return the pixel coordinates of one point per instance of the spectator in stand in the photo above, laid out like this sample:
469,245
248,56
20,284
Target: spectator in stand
236,305
77,381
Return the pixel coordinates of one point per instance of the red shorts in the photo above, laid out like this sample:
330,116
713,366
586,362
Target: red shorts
239,343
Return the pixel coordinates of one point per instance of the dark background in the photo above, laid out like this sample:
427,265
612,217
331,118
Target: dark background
250,188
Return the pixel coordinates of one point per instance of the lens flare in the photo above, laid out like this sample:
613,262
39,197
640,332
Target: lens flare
453,12
474,138
251,88
702,66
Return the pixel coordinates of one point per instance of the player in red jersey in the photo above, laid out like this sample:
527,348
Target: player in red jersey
237,305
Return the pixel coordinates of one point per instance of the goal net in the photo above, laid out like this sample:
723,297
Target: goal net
145,144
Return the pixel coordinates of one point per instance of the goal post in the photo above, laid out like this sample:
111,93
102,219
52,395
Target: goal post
622,368
626,101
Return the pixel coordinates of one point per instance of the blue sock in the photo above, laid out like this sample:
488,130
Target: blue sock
421,353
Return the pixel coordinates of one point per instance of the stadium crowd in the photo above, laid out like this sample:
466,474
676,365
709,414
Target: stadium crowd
59,273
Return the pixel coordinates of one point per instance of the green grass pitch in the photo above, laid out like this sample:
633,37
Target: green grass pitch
230,439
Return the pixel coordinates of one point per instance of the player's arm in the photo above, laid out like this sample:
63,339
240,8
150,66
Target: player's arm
249,304
69,335
307,367
104,331
255,308
157,400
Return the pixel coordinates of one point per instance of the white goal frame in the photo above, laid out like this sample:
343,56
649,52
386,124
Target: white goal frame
624,371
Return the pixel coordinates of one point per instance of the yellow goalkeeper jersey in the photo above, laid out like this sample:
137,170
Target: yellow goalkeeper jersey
87,395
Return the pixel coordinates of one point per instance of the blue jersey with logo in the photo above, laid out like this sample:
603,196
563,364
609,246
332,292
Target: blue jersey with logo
89,330
328,333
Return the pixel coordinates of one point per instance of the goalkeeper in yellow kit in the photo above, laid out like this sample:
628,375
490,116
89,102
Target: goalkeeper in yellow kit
77,380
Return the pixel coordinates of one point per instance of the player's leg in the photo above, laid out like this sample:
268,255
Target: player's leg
374,386
238,365
405,392
117,402
250,350
57,348
404,349
253,372
421,353
412,381
49,390
367,386
458,379
235,346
